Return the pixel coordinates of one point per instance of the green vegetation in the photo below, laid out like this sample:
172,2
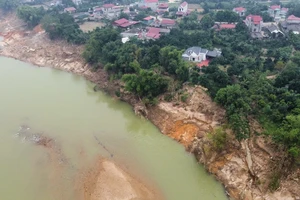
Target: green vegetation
252,79
57,25
218,138
9,5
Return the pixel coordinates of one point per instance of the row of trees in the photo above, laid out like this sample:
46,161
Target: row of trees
57,25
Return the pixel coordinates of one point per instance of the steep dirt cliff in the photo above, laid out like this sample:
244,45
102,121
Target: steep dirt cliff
246,169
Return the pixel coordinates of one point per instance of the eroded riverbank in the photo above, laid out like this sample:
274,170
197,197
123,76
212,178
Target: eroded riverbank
239,167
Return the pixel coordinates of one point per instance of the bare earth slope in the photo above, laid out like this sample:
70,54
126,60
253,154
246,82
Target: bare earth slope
244,169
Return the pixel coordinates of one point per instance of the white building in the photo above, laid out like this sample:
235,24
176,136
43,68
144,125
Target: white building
183,9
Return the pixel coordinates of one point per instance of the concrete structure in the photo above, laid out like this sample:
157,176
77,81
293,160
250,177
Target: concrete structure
241,11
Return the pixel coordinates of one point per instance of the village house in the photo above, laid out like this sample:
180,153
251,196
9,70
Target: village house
198,54
111,11
167,23
277,12
182,9
292,19
148,20
240,11
153,4
273,30
254,23
153,33
162,8
291,24
70,10
124,23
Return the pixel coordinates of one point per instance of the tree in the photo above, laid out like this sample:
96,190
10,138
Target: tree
8,5
237,105
32,16
145,83
98,39
123,15
227,16
289,135
207,22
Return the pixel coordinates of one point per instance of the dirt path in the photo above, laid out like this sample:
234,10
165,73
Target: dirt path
188,123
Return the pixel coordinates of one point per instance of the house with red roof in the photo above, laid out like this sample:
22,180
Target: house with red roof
167,23
70,10
162,8
153,33
111,11
254,23
240,11
153,4
183,9
124,23
277,12
148,20
292,19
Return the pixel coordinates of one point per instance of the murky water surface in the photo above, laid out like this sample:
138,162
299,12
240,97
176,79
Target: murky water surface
65,108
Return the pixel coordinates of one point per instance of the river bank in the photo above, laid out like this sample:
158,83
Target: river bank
244,169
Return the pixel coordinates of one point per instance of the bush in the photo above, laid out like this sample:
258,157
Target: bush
218,138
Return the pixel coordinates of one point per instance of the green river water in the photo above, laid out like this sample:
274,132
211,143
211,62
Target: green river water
64,107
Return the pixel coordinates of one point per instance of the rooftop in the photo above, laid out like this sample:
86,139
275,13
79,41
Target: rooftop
151,1
121,21
256,19
275,7
163,5
227,26
184,4
168,22
108,5
203,63
148,18
240,9
293,17
70,9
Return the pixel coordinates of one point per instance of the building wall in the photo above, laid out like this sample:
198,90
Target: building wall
183,9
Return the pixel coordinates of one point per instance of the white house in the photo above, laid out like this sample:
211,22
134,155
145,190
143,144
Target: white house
254,23
153,4
183,9
240,11
198,54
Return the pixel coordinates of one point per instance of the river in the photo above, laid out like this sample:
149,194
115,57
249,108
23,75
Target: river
64,107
